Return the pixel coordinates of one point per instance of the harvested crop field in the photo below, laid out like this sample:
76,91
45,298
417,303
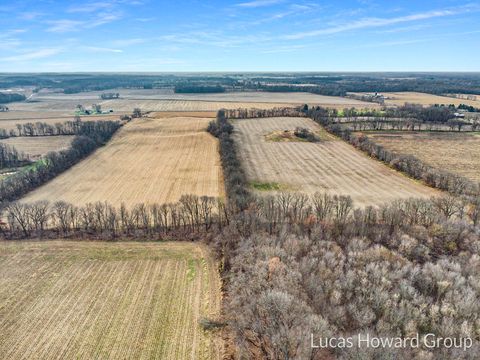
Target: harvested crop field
10,120
38,146
400,98
454,152
238,96
92,300
150,160
166,100
331,165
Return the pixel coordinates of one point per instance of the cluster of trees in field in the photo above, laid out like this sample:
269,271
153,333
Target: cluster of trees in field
306,134
198,89
90,136
468,108
379,275
190,215
10,97
10,157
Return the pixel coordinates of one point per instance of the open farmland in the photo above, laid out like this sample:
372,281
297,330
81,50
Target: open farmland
400,98
38,146
454,152
330,165
166,100
90,300
10,120
238,97
150,160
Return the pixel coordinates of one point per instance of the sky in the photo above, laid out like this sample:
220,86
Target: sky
242,35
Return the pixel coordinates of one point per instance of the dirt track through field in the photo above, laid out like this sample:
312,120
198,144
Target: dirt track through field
331,166
85,300
150,160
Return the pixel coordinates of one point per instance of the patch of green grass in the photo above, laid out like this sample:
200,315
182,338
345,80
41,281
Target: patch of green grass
265,186
191,269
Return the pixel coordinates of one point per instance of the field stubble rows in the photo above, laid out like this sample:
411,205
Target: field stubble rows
86,300
150,160
38,146
454,152
331,166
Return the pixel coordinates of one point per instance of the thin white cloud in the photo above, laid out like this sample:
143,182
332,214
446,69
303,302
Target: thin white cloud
259,3
33,55
283,49
103,19
68,25
91,7
377,22
30,15
128,42
98,49
64,25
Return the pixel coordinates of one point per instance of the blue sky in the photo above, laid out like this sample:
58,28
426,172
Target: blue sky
243,35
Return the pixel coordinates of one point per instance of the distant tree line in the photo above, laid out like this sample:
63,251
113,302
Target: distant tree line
245,113
10,97
198,89
90,136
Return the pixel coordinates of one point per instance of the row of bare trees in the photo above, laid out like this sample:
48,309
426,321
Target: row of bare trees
261,113
191,214
91,135
10,157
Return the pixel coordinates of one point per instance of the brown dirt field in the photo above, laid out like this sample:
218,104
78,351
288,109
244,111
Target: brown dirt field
149,160
331,166
400,98
38,146
454,152
93,300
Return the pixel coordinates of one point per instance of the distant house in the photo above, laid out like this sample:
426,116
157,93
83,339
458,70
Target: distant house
3,108
459,115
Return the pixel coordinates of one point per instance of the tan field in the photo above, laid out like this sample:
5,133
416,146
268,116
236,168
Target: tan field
330,165
9,120
38,146
149,160
165,100
238,97
400,98
456,153
91,300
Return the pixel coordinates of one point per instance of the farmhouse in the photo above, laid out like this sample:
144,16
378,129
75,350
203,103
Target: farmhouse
3,108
